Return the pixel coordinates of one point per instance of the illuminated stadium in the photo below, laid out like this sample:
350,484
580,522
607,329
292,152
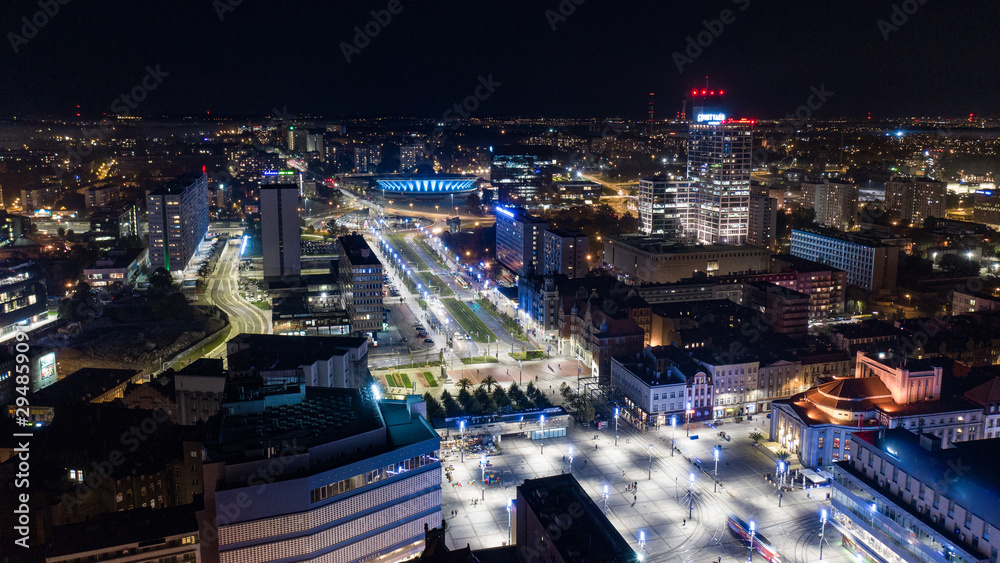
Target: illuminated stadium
427,186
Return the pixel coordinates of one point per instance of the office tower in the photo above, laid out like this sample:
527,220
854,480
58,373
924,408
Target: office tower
521,172
762,220
338,476
834,201
12,227
360,284
565,252
659,205
639,259
298,139
913,200
279,222
410,156
719,160
177,214
23,296
367,157
520,241
869,263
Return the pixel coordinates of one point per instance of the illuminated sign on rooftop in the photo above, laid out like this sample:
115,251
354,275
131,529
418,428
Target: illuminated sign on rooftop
710,117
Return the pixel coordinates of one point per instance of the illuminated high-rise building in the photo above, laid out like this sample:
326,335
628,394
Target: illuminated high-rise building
659,205
279,207
177,214
719,162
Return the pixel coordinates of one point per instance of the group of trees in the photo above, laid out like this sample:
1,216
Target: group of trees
488,398
578,403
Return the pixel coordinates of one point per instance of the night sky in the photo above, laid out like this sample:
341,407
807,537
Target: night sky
602,61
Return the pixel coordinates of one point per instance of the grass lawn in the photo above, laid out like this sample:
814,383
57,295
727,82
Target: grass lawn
509,324
529,355
397,242
220,336
263,305
430,280
469,321
479,360
391,381
430,379
406,380
430,251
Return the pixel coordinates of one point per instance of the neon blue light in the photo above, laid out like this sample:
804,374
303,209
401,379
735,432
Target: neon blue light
506,212
243,245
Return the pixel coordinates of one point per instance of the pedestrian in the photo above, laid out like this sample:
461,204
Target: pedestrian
685,522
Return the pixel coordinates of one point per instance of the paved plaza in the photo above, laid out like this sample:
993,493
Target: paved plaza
659,507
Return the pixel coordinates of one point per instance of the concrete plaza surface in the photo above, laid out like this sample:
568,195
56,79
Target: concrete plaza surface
660,505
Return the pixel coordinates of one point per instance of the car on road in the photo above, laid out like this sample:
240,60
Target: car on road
428,341
404,340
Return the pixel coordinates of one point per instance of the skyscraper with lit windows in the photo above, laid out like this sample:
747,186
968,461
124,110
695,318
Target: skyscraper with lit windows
177,214
719,164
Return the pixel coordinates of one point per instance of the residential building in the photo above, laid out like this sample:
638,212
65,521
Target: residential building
42,372
658,205
39,197
199,390
177,214
12,228
967,301
987,397
905,496
316,361
762,220
520,173
338,476
117,268
784,372
566,253
520,241
784,310
367,157
280,231
835,202
870,264
734,380
361,279
102,195
410,156
826,286
113,223
142,534
652,260
986,208
589,332
867,336
652,387
913,200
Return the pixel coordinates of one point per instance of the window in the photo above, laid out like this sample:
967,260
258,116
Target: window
820,445
951,507
968,519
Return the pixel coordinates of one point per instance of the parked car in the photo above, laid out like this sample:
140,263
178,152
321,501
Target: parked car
428,341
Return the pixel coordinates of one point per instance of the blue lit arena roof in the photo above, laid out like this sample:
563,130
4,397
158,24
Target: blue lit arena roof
426,185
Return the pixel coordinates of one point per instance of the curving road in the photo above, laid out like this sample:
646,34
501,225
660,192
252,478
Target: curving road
223,291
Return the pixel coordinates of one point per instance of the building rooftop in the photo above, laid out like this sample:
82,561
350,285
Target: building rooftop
279,417
898,361
270,351
645,368
866,329
117,258
519,214
659,245
143,525
591,538
802,265
357,250
975,487
769,287
83,385
178,185
869,241
566,233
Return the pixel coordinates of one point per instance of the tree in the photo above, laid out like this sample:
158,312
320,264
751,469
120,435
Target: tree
434,408
83,306
500,397
160,280
484,402
464,383
467,401
783,456
489,382
473,204
757,437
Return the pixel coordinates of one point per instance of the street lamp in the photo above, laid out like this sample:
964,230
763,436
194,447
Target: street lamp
752,531
605,499
642,544
616,426
781,474
571,460
688,413
651,462
673,429
873,509
690,496
716,460
461,446
822,530
482,474
541,440
509,531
